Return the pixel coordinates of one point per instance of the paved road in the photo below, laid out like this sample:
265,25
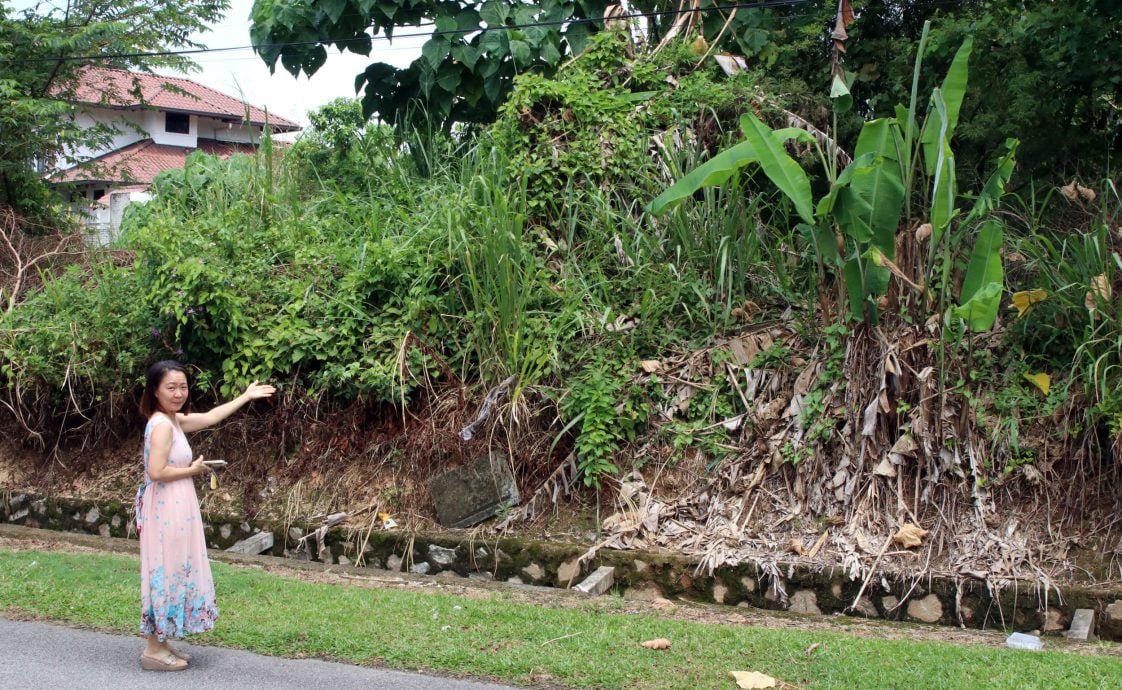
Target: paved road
38,655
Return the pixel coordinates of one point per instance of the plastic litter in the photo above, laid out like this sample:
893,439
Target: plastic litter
1024,641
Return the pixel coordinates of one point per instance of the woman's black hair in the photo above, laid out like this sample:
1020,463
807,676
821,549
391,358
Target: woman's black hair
155,376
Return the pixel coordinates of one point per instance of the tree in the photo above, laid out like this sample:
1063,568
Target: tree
466,68
44,49
1044,72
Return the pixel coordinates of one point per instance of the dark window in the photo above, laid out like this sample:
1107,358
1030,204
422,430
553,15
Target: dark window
178,123
98,193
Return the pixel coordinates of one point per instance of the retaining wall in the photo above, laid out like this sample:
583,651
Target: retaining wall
642,575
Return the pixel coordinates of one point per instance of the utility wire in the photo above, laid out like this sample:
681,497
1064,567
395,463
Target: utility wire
765,4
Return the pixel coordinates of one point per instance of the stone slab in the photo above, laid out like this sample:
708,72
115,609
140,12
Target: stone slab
600,581
258,543
928,609
470,494
1082,625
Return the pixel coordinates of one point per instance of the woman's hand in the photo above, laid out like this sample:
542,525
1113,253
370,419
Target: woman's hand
201,420
258,390
197,467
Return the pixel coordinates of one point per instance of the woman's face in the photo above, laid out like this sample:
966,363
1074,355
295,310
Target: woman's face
172,391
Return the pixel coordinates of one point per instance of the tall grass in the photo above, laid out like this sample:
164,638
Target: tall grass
1072,253
501,278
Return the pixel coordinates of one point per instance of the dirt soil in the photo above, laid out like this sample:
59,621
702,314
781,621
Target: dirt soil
262,490
695,612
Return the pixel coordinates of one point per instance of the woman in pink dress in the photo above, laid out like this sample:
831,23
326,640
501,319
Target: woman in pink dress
176,589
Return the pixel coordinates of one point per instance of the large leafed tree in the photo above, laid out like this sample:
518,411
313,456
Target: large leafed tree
466,66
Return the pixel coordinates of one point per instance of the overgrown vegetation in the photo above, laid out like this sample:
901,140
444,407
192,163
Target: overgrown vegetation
834,316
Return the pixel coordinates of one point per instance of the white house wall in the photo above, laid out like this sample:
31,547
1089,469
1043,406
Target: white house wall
155,123
127,123
209,128
135,125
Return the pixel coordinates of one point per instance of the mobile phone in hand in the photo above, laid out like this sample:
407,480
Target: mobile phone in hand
215,463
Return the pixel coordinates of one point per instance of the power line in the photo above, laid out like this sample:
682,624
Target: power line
764,4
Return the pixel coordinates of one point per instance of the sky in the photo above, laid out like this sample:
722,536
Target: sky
243,74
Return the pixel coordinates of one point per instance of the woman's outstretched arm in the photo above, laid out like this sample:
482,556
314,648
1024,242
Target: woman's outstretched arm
201,420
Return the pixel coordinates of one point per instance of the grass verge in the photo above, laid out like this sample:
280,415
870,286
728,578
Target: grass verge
519,643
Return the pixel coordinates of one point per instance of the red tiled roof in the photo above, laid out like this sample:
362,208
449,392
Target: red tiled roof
139,163
118,88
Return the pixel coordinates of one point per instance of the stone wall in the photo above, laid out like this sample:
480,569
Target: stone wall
798,588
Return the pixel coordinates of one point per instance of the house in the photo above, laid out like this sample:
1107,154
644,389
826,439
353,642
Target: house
156,122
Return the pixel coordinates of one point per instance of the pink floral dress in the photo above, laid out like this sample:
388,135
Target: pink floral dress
176,588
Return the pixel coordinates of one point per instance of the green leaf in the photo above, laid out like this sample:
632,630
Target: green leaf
495,42
449,78
492,87
522,54
787,133
944,192
550,54
839,92
980,311
577,35
333,9
426,80
994,189
467,20
494,12
879,137
637,96
854,288
525,14
984,280
446,24
940,123
827,203
780,168
954,86
466,54
824,240
314,59
435,50
985,260
868,208
711,173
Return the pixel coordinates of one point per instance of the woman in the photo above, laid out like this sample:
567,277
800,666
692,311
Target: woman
176,589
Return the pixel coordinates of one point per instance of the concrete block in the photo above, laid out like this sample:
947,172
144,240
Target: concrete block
470,494
1082,625
258,543
600,581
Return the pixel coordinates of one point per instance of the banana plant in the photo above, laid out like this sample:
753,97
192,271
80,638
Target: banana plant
852,228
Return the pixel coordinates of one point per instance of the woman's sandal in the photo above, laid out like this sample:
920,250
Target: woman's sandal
169,662
182,655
